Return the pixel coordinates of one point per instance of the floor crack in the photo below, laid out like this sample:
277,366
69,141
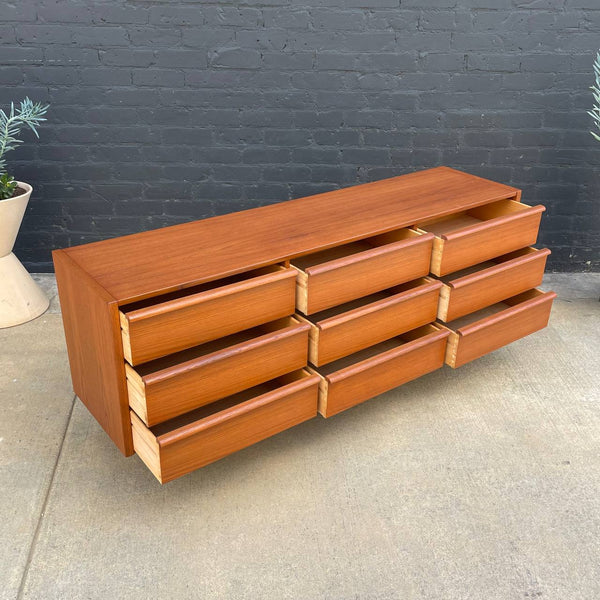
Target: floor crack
38,527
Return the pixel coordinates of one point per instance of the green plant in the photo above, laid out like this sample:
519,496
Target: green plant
8,185
595,112
28,114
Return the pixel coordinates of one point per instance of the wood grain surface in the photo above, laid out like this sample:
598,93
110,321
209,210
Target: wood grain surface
166,284
366,374
173,325
387,261
177,447
359,324
504,277
170,386
498,228
92,331
150,263
484,331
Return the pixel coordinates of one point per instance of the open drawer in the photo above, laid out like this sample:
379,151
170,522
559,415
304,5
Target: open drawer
491,328
358,377
361,323
178,383
207,434
159,326
481,233
335,276
489,282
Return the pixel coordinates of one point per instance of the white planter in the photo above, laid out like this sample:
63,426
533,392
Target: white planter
20,297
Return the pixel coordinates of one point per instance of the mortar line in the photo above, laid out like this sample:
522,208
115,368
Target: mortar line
38,528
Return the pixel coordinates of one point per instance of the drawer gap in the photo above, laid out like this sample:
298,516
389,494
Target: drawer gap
365,300
323,256
200,437
335,276
368,373
474,216
448,224
488,329
479,234
488,263
202,350
488,311
204,287
372,351
488,282
467,271
220,405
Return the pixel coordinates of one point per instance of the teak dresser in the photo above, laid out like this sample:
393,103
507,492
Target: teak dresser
192,342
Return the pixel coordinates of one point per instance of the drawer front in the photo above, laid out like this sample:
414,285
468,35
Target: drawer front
177,452
468,294
528,314
365,379
368,325
476,243
378,268
172,391
168,327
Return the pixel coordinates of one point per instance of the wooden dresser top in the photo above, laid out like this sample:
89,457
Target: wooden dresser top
153,262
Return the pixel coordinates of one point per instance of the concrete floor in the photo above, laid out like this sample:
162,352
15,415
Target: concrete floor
481,483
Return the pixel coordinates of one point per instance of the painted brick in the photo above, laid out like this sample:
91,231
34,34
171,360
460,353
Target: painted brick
164,112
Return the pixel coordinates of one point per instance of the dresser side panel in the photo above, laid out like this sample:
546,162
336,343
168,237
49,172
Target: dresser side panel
93,334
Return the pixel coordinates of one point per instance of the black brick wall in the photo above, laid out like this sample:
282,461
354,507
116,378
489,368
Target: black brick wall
166,111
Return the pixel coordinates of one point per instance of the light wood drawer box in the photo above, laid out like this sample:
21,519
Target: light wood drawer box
356,378
345,329
161,326
481,233
338,275
170,386
491,328
484,284
207,434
